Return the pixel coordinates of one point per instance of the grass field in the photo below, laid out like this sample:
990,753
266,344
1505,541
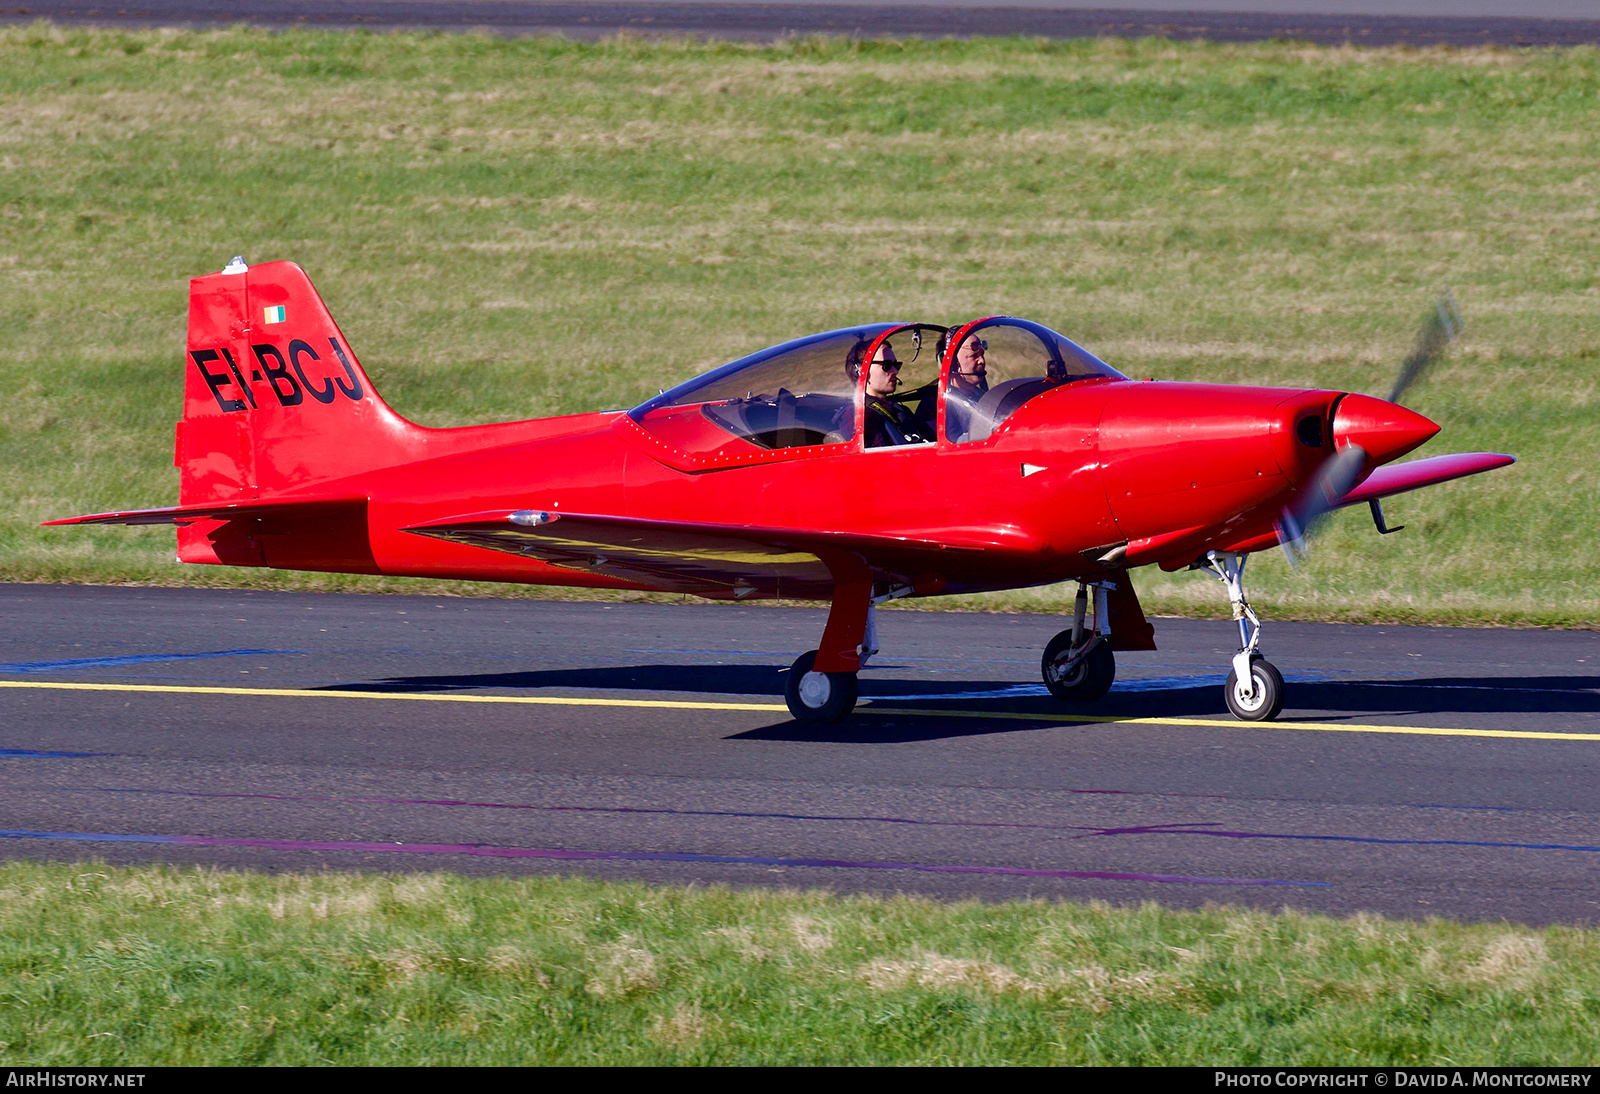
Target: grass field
514,228
103,966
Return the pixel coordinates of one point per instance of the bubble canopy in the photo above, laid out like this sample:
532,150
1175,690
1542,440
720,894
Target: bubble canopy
806,392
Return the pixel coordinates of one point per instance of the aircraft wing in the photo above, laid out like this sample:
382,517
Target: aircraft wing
1397,478
188,514
703,559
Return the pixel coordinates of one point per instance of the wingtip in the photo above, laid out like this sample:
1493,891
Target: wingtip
90,518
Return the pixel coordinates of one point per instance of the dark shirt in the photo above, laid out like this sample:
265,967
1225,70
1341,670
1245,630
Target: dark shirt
890,422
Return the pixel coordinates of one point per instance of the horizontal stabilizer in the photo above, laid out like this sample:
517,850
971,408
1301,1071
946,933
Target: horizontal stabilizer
188,514
1397,478
703,559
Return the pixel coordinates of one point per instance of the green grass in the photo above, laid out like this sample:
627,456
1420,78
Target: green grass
114,966
514,228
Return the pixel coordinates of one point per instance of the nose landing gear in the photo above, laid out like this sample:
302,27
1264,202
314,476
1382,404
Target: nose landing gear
1254,689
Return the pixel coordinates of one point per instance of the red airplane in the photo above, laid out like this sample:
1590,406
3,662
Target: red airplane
855,466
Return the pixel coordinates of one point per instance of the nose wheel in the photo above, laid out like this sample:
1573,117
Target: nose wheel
1262,699
818,696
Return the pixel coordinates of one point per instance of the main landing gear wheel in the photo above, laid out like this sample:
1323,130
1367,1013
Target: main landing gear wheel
1265,701
1085,681
818,696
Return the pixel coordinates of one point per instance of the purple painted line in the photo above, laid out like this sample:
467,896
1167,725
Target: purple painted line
36,754
1207,828
1192,828
685,856
1489,808
630,856
1370,839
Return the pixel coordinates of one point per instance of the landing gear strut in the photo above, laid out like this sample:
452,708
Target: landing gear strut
822,684
1078,664
1254,691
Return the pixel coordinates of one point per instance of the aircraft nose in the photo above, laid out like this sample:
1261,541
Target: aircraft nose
1384,430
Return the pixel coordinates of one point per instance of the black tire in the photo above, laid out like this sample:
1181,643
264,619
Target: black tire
1090,678
818,696
1268,701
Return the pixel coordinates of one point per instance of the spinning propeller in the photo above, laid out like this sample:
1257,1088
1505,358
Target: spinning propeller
1379,424
1438,331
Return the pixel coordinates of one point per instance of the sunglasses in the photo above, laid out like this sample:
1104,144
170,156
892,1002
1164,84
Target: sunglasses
888,366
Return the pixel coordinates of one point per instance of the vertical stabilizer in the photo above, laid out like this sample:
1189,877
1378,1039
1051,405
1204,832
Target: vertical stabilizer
274,398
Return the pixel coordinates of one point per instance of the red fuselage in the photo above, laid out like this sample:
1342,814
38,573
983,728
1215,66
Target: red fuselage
1168,468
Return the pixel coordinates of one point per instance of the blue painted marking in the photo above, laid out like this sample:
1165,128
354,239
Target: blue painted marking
1206,680
1014,691
1149,683
102,837
1171,683
34,754
74,663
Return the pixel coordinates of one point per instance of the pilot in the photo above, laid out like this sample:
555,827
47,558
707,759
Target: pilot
969,381
889,421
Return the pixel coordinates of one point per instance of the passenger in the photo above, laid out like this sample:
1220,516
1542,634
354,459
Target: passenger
969,381
889,421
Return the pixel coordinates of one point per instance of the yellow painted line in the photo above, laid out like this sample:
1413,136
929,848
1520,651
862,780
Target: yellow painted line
311,693
674,704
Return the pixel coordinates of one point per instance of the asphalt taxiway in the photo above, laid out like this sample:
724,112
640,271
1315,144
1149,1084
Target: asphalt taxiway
1416,771
1538,23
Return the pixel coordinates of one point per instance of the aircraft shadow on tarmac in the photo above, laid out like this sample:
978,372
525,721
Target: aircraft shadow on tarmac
1337,698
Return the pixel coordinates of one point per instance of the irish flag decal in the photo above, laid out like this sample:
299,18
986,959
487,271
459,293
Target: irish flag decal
273,315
